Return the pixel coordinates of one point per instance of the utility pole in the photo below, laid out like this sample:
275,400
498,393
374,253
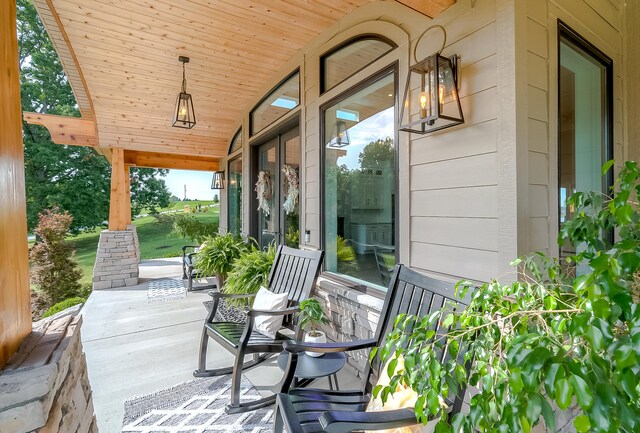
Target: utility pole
185,192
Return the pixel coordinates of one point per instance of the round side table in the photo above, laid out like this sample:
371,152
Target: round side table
310,367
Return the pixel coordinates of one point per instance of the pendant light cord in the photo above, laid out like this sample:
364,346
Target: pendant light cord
184,79
444,41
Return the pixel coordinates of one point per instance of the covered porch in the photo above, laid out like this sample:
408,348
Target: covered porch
305,87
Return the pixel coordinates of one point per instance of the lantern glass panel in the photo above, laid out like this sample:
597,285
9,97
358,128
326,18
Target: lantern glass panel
431,99
184,116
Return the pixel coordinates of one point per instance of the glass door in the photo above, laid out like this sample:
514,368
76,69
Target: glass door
278,189
268,192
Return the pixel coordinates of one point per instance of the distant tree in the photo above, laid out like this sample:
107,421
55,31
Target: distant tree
164,223
54,270
148,190
174,199
376,153
216,200
75,179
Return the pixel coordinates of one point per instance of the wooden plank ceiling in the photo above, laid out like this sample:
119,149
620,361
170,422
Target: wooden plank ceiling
121,57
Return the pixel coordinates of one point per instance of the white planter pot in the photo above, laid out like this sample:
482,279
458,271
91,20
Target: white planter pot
322,338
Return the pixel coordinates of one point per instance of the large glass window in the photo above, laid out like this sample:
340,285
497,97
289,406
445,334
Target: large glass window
584,120
276,104
340,64
360,183
234,204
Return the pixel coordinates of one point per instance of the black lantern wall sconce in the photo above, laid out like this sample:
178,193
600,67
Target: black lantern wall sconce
218,180
185,116
339,135
431,101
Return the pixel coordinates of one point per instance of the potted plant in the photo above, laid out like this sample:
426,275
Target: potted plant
250,271
565,336
217,255
312,315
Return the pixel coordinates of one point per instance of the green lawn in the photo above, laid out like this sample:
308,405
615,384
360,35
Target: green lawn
179,205
155,241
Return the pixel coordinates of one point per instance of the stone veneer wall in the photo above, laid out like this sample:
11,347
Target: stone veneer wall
45,388
136,241
354,316
116,260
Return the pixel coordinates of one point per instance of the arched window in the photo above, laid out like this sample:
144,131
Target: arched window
236,142
342,62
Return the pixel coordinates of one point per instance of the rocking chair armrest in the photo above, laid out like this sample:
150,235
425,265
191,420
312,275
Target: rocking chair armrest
285,312
344,422
299,346
184,248
285,410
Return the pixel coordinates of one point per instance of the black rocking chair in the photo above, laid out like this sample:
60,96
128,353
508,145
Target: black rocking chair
317,410
293,272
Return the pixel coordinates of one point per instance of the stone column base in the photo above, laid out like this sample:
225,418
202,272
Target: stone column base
116,261
45,388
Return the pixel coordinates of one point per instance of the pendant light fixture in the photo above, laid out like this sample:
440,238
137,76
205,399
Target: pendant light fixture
185,116
431,100
339,135
218,180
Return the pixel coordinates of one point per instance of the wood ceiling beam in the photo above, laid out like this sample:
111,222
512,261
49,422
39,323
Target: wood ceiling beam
431,8
74,131
166,160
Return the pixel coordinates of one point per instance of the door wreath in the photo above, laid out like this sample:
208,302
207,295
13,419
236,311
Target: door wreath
291,189
264,190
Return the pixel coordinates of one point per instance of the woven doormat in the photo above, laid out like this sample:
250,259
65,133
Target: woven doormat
165,290
196,406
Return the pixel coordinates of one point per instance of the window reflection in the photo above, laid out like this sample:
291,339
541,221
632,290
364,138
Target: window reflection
360,184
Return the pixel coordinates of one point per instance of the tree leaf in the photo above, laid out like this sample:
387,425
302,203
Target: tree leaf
582,391
563,393
625,356
582,423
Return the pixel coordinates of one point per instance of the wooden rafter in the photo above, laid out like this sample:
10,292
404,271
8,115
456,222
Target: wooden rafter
170,161
74,131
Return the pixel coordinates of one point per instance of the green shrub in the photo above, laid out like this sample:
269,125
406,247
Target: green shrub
54,270
250,272
218,254
191,227
566,333
60,306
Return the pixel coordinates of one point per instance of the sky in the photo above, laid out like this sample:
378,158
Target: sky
198,184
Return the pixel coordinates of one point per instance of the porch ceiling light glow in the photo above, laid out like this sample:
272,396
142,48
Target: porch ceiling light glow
218,180
185,116
431,100
339,135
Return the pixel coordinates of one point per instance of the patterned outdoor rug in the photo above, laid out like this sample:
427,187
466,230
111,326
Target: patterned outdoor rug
227,313
165,289
195,407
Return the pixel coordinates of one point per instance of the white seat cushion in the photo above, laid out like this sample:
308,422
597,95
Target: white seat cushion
267,300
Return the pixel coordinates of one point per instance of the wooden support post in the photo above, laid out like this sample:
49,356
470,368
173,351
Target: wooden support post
120,200
15,310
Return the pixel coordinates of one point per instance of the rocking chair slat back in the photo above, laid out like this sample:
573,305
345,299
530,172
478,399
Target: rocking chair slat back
294,272
416,294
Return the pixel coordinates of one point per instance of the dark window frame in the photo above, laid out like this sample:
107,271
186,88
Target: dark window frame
236,135
253,133
394,69
567,33
346,43
229,162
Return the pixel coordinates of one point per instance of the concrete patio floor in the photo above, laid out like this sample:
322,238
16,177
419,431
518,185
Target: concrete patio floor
134,347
